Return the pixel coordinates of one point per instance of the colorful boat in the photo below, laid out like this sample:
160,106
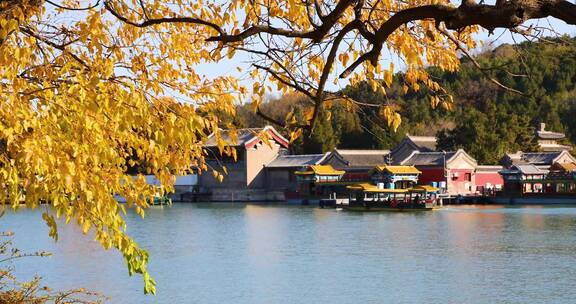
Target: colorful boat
368,197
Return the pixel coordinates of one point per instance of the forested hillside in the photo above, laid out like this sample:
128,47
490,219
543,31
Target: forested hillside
486,121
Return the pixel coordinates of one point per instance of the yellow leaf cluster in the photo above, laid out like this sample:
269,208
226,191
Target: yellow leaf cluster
79,108
86,95
391,116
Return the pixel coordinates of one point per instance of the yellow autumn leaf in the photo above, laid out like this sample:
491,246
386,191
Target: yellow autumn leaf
91,89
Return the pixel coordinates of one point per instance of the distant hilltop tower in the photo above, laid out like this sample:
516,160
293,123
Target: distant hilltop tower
548,140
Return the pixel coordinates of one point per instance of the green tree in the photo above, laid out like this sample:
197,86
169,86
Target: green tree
323,138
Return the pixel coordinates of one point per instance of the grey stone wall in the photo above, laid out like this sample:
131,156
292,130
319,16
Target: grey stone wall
236,177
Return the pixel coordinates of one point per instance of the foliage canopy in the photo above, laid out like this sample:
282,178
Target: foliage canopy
90,90
485,121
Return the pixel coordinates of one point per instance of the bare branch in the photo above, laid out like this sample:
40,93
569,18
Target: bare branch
151,22
316,35
282,80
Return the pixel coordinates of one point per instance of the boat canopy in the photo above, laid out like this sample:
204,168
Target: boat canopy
425,188
366,187
370,188
320,170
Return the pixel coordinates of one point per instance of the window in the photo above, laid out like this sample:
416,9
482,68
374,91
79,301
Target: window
468,177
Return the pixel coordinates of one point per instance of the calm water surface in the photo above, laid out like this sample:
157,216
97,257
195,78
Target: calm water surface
221,253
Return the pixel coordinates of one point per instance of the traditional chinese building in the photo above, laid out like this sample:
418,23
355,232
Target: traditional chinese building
395,177
562,171
529,180
281,172
453,172
523,178
562,178
548,140
356,163
410,144
542,160
317,180
488,179
245,178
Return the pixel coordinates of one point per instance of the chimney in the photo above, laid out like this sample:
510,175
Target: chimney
542,126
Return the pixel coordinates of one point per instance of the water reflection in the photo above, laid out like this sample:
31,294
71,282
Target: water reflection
235,253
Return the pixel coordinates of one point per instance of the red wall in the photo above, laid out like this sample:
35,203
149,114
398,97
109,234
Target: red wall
430,175
461,175
356,176
437,174
494,178
456,185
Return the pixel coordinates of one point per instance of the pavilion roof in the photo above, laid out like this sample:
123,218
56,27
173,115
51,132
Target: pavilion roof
398,169
320,170
550,135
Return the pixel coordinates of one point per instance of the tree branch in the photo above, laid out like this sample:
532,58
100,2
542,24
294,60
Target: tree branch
565,11
277,77
269,118
316,35
505,14
328,67
151,22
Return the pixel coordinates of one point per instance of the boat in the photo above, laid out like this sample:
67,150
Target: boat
161,201
371,198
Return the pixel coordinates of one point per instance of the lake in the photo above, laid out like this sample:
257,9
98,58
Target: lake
236,253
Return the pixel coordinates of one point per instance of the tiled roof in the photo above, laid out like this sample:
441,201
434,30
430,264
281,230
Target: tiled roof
549,135
535,158
553,147
410,144
293,161
540,158
244,136
401,153
428,158
320,170
362,152
488,168
543,134
398,169
363,158
529,169
425,143
567,167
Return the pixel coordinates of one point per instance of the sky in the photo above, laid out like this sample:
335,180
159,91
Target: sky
501,36
242,60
